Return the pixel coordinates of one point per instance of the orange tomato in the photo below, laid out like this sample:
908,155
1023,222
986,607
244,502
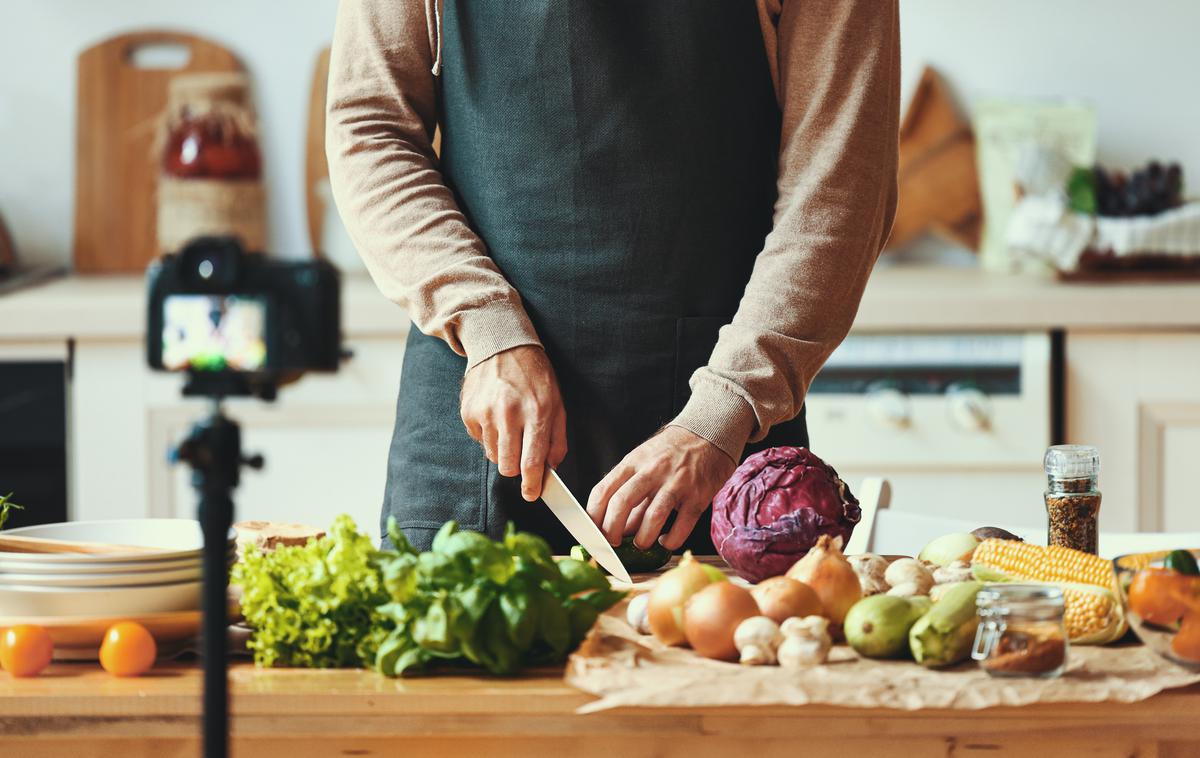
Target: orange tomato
25,650
1162,596
128,649
1186,642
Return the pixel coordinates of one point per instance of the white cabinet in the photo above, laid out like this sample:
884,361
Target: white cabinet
1137,398
325,439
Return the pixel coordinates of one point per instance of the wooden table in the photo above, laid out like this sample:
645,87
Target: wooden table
78,711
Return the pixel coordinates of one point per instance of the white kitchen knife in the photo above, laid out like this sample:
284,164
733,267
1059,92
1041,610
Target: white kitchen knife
571,514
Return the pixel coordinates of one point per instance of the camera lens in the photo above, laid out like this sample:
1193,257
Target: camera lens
205,269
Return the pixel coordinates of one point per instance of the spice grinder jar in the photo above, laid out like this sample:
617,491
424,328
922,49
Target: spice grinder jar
1072,497
1021,630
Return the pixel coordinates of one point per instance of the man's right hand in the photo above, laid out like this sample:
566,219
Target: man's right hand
511,405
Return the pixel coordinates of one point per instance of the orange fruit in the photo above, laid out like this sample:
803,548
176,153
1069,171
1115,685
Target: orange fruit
1186,642
1162,596
128,649
25,650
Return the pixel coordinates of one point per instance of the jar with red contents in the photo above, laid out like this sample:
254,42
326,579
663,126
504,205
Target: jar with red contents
211,177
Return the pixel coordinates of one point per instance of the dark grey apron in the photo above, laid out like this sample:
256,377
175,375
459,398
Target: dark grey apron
618,158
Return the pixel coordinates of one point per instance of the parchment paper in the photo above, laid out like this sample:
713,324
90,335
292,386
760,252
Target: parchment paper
625,668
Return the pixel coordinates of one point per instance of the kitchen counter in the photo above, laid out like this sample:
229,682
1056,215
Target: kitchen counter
898,298
77,710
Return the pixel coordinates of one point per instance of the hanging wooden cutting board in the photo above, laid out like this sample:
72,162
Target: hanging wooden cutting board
119,111
938,183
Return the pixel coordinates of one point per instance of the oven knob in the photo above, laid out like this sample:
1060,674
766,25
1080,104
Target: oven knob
970,408
890,406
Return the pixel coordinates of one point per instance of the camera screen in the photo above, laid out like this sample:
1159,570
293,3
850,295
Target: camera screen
214,333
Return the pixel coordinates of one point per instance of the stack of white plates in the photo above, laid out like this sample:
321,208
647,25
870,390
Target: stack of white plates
80,590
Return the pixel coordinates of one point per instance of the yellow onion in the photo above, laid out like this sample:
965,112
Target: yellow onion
665,611
779,598
712,616
830,575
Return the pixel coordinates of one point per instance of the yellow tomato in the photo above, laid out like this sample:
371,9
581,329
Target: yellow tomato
128,649
25,650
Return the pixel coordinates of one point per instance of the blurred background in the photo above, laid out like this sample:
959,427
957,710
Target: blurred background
1039,288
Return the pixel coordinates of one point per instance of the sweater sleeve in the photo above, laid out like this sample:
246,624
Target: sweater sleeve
402,218
838,64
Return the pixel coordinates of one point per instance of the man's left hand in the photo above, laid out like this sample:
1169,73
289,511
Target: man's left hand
675,470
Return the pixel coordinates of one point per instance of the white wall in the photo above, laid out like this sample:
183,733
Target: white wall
1137,61
277,40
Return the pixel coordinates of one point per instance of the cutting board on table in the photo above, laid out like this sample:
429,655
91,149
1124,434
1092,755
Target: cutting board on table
120,108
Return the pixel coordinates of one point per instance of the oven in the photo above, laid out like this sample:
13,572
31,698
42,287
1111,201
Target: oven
958,423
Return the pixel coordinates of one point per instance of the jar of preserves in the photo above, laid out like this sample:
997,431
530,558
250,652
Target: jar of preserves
211,167
1021,630
1073,497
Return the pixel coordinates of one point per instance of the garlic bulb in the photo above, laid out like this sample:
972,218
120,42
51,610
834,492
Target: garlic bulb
637,614
870,569
958,571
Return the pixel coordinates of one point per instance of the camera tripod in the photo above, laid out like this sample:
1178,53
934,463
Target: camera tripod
213,450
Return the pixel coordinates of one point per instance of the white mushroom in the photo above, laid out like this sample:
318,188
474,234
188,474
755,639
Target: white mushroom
908,571
756,639
806,642
802,651
756,655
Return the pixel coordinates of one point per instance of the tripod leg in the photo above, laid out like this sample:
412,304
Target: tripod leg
216,514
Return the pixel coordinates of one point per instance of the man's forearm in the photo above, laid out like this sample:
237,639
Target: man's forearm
838,65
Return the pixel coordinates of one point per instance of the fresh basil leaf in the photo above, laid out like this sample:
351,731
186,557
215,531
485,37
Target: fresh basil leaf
578,576
520,618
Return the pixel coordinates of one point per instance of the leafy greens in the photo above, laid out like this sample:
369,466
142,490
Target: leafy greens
339,601
500,605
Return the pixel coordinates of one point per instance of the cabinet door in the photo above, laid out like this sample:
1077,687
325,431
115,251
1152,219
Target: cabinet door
1137,398
325,439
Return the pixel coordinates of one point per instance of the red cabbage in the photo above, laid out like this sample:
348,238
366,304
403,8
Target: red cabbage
775,506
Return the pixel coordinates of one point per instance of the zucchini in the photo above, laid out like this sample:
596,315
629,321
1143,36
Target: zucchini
635,560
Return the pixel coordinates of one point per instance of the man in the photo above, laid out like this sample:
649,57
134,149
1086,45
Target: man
650,223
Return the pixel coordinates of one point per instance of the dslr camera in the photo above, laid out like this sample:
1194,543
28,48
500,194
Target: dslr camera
240,323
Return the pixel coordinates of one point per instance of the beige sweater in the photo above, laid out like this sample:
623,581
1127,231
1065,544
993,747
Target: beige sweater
835,64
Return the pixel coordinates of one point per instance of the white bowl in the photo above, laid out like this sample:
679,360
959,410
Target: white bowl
22,600
176,538
17,566
98,579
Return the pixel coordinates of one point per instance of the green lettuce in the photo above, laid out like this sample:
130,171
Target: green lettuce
315,605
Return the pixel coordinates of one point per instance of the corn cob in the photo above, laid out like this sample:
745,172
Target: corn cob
1093,612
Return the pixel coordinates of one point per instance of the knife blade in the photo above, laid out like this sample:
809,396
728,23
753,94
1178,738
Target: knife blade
571,515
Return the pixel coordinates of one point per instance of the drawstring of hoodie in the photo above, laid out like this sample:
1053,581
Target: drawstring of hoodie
433,25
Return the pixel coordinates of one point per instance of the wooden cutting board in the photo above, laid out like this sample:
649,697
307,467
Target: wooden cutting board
938,183
119,111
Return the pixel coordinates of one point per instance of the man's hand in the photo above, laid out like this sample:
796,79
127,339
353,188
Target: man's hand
511,405
675,470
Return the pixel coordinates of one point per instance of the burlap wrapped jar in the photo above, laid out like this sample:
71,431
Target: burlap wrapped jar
211,180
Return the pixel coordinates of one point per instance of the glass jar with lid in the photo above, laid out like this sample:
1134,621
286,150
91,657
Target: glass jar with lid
1021,630
1073,497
